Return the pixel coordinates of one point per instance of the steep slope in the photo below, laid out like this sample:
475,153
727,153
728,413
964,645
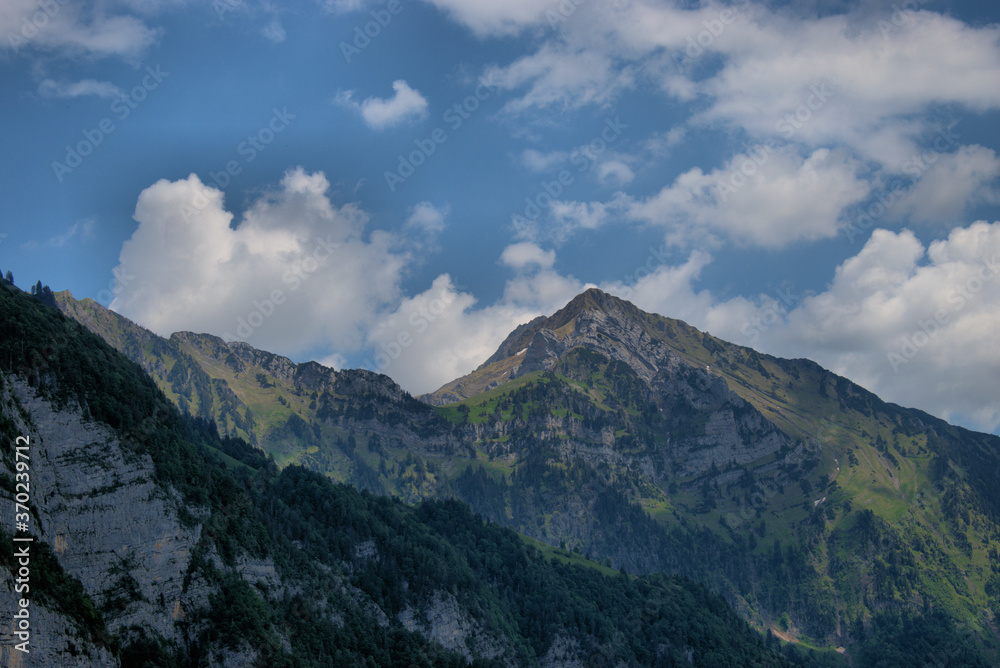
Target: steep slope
157,542
350,424
811,504
872,448
863,487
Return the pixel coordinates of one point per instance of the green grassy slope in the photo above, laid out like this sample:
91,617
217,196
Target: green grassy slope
880,508
927,491
341,552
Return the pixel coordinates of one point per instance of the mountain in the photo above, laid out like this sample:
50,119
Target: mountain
818,510
154,541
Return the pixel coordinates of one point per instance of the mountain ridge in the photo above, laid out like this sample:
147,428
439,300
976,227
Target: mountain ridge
172,546
602,421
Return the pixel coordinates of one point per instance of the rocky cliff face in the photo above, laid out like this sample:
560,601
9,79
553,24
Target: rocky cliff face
442,619
634,438
110,526
605,330
278,405
661,420
706,423
165,541
55,639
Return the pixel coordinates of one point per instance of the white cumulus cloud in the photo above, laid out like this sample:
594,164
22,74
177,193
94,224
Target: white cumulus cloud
949,183
428,218
769,196
526,254
407,104
66,89
297,273
70,29
910,322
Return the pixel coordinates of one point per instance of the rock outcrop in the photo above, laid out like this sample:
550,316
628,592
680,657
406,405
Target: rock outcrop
111,526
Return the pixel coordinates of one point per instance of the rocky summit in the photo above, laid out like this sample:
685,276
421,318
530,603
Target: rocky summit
145,537
635,443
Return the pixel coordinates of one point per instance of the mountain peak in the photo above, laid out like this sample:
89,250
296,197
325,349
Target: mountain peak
589,299
593,319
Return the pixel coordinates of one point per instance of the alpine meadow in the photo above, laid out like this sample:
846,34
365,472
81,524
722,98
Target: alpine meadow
500,333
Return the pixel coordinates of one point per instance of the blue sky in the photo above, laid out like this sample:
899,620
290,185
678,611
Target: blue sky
398,184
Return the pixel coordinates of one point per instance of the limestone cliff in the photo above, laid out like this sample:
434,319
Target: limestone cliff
111,526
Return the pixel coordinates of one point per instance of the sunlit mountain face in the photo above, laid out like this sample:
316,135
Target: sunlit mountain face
651,447
395,185
707,289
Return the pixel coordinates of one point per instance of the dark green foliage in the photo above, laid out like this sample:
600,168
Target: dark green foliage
51,585
399,559
68,364
322,536
43,294
482,492
365,477
141,650
240,616
510,587
910,640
